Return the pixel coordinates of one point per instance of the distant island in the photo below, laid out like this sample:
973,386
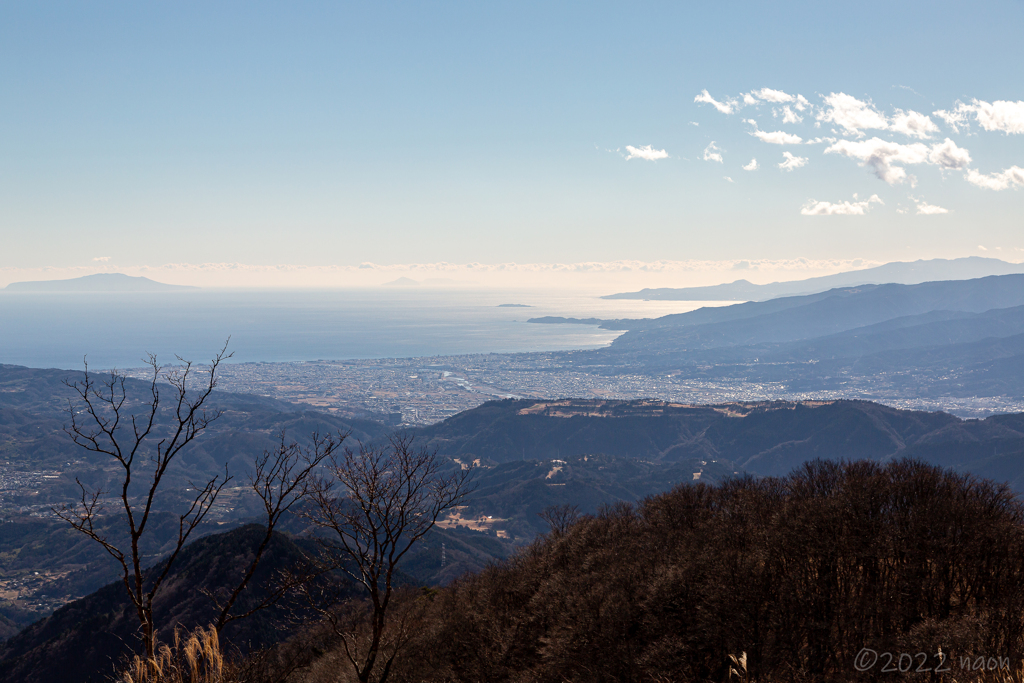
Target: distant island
401,282
98,283
514,306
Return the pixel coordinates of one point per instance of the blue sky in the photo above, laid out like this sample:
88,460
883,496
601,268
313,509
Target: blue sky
333,134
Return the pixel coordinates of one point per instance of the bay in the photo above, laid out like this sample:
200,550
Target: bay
118,330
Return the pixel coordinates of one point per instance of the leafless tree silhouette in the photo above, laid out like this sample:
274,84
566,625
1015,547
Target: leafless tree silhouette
281,478
374,504
105,419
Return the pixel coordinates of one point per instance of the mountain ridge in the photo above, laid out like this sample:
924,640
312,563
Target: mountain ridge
897,272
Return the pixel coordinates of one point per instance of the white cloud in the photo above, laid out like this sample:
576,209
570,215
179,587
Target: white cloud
851,114
792,162
948,156
816,208
752,166
778,137
774,96
790,116
924,209
954,119
997,181
647,152
729,179
1001,115
880,155
913,124
982,248
102,259
727,107
817,141
801,103
711,153
883,155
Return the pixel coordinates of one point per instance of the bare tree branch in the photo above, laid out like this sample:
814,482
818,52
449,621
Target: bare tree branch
281,478
375,504
101,426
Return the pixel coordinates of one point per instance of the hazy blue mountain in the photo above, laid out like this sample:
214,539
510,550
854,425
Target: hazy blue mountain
817,315
100,282
901,272
922,331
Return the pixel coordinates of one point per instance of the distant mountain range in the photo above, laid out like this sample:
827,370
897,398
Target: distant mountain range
100,282
907,273
667,442
962,338
815,315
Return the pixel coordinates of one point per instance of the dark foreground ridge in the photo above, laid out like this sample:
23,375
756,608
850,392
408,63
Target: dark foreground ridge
84,640
799,573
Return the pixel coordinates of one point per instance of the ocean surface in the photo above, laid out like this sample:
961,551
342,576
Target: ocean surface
118,330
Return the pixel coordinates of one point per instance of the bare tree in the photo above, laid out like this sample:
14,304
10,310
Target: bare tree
114,424
281,479
375,504
560,517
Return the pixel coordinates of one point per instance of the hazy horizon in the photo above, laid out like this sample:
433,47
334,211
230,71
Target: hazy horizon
594,278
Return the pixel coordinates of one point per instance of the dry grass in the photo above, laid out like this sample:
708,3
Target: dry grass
194,659
1002,676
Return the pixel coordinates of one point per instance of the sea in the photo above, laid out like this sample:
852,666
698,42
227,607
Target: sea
119,330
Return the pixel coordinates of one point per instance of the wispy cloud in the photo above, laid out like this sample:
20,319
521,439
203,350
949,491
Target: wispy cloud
1001,115
816,208
646,152
1013,176
954,118
778,137
774,96
791,162
913,124
788,115
925,209
726,107
102,259
887,158
712,153
851,114
948,156
887,154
